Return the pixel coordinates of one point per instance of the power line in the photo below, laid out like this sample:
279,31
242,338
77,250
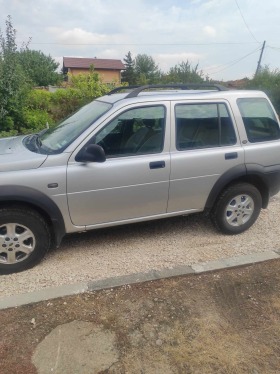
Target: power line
271,47
234,62
253,36
143,44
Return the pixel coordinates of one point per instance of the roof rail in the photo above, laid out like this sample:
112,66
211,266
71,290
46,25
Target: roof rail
122,88
135,90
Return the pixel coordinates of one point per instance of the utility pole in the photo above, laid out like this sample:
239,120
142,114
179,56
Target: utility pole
260,59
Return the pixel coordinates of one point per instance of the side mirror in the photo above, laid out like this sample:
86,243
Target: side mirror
91,153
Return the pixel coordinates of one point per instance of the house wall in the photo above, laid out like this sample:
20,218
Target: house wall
108,76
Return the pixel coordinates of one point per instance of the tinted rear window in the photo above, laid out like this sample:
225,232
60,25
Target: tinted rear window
203,126
259,120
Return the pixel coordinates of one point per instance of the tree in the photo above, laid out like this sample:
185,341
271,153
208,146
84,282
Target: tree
13,83
19,70
146,69
128,76
184,73
40,68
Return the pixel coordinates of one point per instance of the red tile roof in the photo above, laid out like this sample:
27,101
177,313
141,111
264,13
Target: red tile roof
98,63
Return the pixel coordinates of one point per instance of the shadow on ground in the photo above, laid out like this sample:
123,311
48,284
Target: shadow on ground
223,322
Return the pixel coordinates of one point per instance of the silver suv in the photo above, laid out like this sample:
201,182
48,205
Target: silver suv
147,153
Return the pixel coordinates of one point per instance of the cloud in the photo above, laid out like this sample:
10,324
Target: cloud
166,60
209,31
77,36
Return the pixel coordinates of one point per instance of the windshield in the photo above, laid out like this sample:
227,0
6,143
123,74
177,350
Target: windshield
56,139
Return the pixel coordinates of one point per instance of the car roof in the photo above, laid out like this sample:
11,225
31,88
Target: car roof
145,93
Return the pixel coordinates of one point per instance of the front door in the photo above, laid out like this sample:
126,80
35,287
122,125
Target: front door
133,182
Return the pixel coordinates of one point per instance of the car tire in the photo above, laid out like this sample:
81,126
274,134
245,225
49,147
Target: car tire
237,208
24,239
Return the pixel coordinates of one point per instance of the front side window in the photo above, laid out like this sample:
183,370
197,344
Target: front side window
203,126
135,131
259,120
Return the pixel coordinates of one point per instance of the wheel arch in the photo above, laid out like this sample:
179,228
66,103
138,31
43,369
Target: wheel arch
236,175
26,197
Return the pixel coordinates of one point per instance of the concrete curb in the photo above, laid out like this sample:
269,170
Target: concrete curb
67,290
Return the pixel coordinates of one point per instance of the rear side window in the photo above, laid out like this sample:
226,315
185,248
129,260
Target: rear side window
203,126
259,120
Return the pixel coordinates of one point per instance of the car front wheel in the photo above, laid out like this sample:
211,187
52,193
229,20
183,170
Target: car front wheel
24,239
237,208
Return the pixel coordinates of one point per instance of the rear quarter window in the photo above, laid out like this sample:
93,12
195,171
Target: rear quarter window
259,119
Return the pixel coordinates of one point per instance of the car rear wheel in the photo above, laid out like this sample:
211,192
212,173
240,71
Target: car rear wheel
24,239
237,208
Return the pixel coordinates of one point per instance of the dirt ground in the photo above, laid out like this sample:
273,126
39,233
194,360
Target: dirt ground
222,322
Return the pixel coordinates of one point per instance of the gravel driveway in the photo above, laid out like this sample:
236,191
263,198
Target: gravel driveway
142,247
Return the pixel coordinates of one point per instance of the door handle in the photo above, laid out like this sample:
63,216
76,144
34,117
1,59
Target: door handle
157,165
231,155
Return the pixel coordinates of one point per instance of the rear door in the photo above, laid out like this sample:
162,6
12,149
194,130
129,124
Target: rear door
205,145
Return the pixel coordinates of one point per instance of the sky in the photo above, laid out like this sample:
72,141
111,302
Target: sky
224,37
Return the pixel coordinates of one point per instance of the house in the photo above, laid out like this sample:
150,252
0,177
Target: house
109,70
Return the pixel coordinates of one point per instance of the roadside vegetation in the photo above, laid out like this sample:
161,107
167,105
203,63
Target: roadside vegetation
26,107
267,80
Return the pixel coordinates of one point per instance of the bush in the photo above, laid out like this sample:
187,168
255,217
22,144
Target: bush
64,102
39,99
35,120
5,134
268,81
41,106
90,85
